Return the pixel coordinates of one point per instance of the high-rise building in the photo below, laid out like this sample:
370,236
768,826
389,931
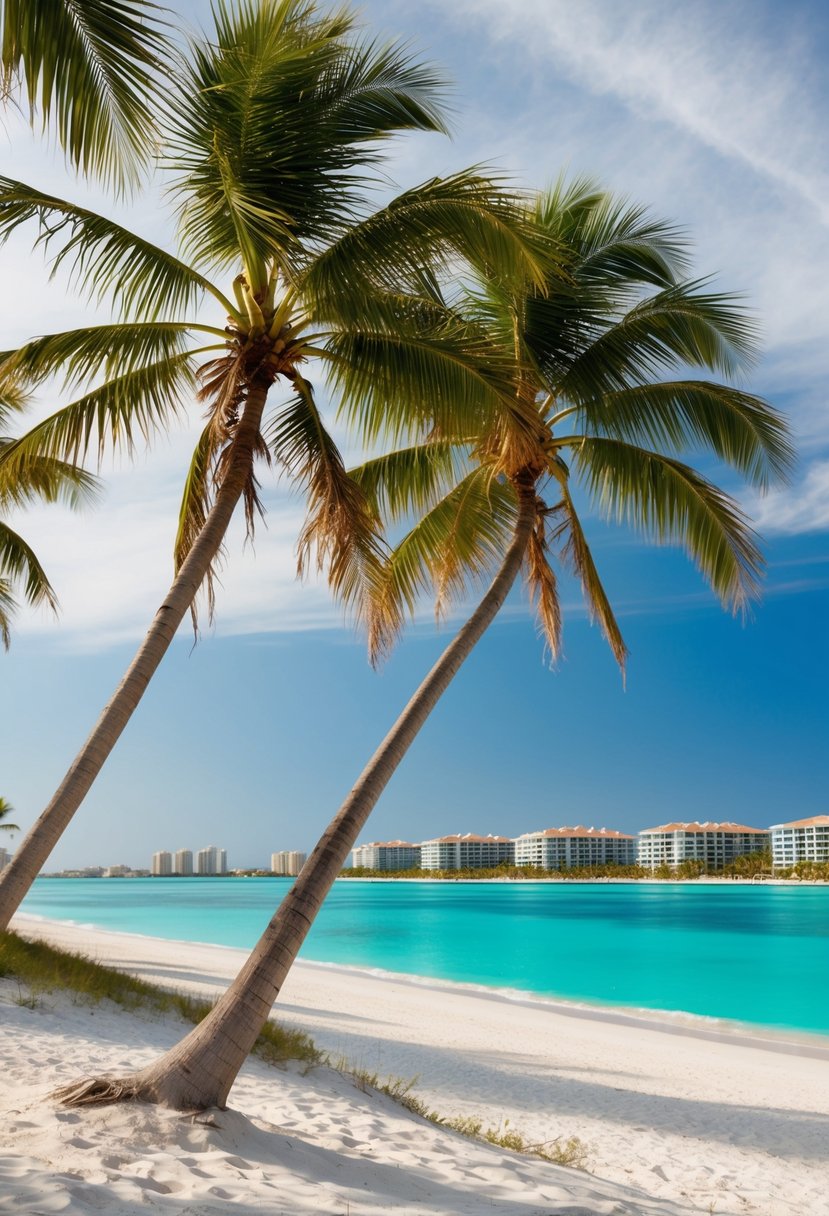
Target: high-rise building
162,866
566,848
5,858
800,840
183,862
714,844
466,852
211,860
387,855
288,863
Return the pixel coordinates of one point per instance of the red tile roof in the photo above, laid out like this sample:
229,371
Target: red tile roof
815,822
702,827
579,831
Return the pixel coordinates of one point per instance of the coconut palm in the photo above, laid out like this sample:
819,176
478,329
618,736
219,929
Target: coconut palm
6,808
587,351
90,69
47,480
274,133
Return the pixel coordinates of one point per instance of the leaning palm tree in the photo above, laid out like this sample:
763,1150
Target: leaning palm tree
273,135
89,68
47,479
586,350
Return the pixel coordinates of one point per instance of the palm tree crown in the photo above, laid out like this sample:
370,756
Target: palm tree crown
589,347
273,138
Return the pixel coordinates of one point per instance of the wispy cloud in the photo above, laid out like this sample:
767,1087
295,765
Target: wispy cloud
804,509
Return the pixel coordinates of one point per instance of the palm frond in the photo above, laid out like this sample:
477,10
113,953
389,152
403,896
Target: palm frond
429,229
736,426
13,400
411,479
47,479
139,403
542,583
18,564
79,355
607,241
680,324
93,67
457,542
577,552
341,533
256,178
196,501
104,260
8,607
670,502
449,377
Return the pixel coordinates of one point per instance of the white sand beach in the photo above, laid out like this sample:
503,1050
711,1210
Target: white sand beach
676,1119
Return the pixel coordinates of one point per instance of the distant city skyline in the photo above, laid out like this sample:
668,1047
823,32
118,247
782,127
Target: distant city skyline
713,120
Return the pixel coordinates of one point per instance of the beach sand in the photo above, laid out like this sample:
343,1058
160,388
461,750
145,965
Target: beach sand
676,1117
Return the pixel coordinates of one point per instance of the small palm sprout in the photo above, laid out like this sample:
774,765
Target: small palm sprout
6,808
586,350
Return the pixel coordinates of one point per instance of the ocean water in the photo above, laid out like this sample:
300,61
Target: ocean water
753,954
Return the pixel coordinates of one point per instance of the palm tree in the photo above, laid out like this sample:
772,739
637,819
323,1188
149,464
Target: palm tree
586,351
273,133
48,480
6,808
91,68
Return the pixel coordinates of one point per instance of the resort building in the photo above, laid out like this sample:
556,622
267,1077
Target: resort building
116,871
714,844
288,862
567,848
466,852
183,862
162,866
5,858
211,860
387,855
801,840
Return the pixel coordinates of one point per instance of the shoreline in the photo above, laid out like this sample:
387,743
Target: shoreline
787,1040
791,1041
689,1118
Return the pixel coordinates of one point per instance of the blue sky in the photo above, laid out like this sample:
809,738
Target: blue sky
713,115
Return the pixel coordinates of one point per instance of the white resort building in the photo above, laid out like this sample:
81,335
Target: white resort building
183,862
566,848
714,844
211,860
288,862
466,852
801,840
162,866
387,855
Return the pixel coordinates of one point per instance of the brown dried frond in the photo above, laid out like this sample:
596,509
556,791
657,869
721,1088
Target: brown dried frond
542,583
342,533
576,552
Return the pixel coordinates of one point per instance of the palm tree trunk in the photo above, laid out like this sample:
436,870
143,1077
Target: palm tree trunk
45,833
200,1070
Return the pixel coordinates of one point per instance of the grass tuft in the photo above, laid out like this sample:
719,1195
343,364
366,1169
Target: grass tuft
571,1152
42,968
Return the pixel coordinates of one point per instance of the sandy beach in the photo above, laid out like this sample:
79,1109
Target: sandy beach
676,1118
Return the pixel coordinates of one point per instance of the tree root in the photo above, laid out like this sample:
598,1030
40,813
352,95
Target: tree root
98,1091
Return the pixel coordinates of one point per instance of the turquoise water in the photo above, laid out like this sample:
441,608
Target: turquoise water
757,954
